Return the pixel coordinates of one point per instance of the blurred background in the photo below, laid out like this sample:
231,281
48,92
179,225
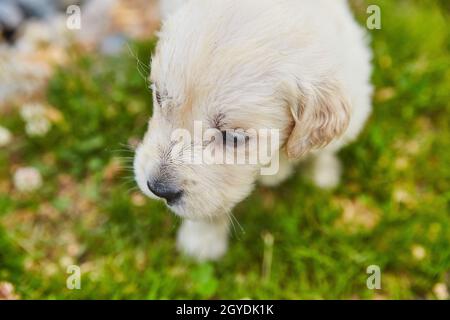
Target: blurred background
75,102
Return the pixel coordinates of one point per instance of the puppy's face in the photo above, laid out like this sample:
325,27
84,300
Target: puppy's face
174,167
195,83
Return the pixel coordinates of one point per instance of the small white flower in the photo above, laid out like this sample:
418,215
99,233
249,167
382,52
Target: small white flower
5,136
27,179
7,291
418,252
37,123
38,127
441,291
32,111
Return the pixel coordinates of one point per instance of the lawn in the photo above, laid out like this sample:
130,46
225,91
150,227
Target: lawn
392,208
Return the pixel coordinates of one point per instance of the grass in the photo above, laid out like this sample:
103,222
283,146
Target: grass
391,210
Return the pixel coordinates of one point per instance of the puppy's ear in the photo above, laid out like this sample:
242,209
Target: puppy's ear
321,113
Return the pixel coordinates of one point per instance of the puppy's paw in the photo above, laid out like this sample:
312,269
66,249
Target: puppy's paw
203,241
326,171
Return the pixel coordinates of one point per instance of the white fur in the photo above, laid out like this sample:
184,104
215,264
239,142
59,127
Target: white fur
327,170
300,66
203,240
286,169
167,7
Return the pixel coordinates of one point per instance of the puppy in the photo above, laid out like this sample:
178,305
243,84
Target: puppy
299,67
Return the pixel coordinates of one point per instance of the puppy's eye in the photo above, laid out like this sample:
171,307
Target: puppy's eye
157,94
234,138
158,97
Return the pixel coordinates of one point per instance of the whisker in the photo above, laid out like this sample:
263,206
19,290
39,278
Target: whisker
237,222
139,65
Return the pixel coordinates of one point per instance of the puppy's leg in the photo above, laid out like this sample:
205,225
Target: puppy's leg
285,170
326,172
203,240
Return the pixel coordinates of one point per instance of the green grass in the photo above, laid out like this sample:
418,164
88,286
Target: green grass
396,177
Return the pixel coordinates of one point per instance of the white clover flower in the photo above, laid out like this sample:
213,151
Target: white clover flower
441,291
32,111
5,136
37,127
35,116
418,252
27,179
7,291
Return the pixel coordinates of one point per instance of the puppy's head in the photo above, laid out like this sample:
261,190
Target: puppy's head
232,82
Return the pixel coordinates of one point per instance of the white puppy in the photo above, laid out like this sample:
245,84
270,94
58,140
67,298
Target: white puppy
301,67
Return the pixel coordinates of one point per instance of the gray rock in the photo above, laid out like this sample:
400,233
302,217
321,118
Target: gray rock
10,15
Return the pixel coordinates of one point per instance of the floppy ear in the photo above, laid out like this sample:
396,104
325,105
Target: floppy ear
321,113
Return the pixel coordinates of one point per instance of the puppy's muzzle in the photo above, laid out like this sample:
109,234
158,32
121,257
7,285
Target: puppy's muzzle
165,191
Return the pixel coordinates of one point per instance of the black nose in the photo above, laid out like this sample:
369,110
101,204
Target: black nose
167,192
